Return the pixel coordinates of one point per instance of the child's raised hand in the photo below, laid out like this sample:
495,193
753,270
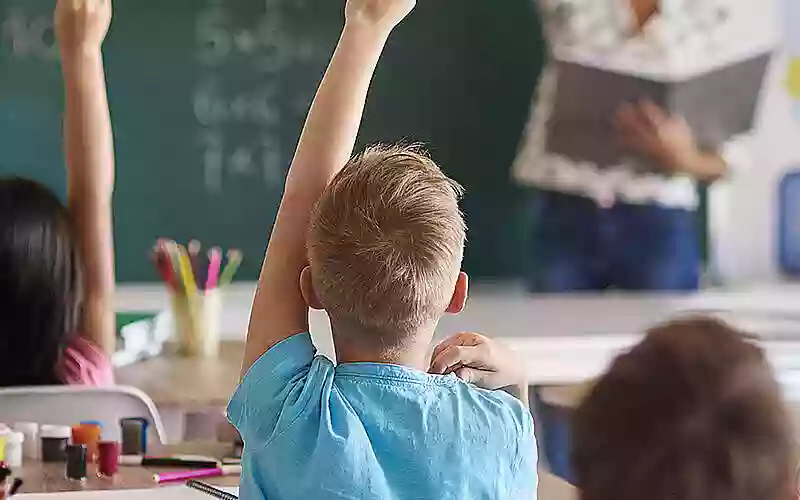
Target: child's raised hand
383,15
478,360
82,24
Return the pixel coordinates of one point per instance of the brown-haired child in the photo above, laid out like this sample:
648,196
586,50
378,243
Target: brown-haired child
693,412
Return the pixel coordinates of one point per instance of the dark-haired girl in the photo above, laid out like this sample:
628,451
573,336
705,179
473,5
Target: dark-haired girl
56,261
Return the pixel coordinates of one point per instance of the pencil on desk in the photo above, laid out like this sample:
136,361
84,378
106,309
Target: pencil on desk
225,470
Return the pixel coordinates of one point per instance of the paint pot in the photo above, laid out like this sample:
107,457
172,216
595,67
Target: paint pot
76,462
134,436
30,448
108,458
13,455
54,440
87,433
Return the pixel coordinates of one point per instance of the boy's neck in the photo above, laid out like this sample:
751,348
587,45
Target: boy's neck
415,354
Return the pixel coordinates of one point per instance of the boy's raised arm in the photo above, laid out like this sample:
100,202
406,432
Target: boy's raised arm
325,146
81,27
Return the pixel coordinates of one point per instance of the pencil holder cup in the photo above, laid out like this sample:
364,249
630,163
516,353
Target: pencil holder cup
197,323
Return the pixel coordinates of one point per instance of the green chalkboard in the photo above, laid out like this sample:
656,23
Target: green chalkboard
208,98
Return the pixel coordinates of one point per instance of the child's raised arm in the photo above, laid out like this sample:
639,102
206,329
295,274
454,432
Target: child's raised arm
325,146
81,27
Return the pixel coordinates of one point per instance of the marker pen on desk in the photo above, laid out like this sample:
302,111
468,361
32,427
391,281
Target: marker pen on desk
15,487
225,470
190,462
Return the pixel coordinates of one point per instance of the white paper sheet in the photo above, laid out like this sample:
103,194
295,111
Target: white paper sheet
165,493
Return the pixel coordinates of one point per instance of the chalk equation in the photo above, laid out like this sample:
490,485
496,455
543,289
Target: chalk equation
246,64
260,159
221,101
26,36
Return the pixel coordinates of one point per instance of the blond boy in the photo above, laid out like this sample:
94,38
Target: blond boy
377,242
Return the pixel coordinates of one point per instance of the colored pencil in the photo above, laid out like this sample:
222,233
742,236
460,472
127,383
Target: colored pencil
234,260
185,270
187,276
198,263
164,266
214,264
225,470
174,255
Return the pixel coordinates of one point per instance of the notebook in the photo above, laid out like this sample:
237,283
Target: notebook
718,105
164,493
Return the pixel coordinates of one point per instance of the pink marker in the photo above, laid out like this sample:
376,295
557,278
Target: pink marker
171,477
214,264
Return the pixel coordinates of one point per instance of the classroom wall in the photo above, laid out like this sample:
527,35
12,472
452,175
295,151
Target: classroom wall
745,228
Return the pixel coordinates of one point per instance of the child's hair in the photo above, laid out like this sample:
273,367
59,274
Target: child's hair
40,282
386,242
691,413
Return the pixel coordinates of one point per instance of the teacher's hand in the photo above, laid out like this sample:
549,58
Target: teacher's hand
647,129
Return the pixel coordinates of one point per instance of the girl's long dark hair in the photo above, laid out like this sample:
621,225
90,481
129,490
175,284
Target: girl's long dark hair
40,283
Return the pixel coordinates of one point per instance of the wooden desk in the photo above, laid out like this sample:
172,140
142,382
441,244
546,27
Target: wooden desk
50,478
565,396
41,478
553,488
193,384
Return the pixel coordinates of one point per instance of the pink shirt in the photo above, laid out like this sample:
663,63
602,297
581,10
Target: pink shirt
84,363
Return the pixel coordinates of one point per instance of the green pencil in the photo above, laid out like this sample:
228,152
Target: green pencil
234,260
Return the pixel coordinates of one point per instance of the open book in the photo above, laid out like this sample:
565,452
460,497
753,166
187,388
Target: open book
718,105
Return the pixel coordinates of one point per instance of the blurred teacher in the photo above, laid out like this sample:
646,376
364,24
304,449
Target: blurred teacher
625,227
621,226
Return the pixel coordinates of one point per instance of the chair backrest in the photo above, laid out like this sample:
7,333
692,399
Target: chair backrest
69,405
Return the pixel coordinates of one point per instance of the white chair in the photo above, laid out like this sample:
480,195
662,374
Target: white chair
69,405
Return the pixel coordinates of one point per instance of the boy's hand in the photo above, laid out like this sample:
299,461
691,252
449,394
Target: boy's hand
383,15
478,360
82,24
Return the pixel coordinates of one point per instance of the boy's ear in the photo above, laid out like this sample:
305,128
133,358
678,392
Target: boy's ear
307,289
459,299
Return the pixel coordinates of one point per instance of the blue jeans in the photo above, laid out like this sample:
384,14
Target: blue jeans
579,246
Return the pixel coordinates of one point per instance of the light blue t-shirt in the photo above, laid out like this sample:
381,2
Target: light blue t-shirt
315,431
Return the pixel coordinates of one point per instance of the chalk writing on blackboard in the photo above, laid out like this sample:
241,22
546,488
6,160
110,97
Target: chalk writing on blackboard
213,108
224,100
29,37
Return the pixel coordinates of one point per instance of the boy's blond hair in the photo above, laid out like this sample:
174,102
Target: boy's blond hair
386,242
